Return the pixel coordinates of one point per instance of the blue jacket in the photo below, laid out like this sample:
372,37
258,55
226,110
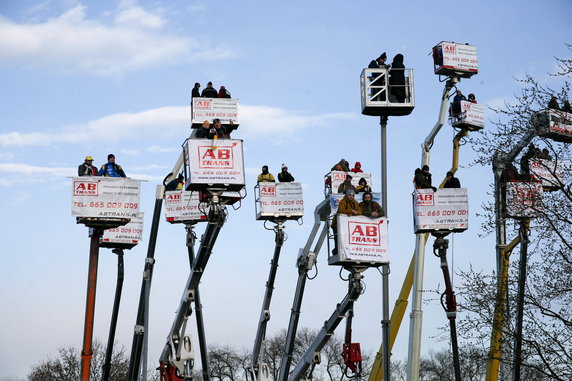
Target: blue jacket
110,169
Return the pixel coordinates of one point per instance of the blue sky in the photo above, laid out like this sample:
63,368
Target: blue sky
92,78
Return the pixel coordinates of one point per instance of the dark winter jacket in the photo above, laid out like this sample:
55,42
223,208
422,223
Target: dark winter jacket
345,186
422,180
86,170
453,182
209,92
285,177
397,78
368,207
110,169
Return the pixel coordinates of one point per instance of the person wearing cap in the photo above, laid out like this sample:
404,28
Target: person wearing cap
347,185
111,169
176,184
87,168
195,93
209,91
553,104
348,206
265,176
284,176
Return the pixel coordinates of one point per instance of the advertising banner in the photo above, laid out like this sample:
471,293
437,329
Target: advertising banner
336,198
129,234
225,109
361,239
523,199
473,114
445,209
105,197
280,200
459,57
560,122
215,162
181,206
338,177
550,173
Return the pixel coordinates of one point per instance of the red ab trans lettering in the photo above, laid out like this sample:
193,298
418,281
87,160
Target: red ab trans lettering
268,191
424,199
82,188
364,234
219,157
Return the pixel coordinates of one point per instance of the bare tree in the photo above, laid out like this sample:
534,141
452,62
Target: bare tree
547,328
65,366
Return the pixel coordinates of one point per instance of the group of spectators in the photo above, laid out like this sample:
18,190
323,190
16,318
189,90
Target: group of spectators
533,152
209,91
215,130
422,179
396,77
455,109
109,169
284,176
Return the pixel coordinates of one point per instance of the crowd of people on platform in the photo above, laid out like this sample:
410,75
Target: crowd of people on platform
396,73
109,169
284,176
455,109
209,91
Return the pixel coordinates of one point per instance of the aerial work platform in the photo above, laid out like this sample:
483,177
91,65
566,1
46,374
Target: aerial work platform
362,242
441,211
279,201
214,164
123,237
472,117
377,93
224,109
522,199
553,124
105,202
455,60
550,173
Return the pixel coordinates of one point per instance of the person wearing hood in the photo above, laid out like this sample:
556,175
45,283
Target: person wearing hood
472,98
195,93
422,178
362,186
343,165
284,176
566,106
176,184
348,206
397,78
357,167
346,185
370,208
452,181
265,176
223,93
87,168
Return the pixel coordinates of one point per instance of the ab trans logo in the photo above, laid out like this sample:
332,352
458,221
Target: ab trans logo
172,198
364,233
424,199
203,105
216,157
268,191
85,188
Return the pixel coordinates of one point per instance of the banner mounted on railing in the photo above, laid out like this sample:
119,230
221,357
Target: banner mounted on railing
105,197
361,239
280,200
445,209
129,234
183,206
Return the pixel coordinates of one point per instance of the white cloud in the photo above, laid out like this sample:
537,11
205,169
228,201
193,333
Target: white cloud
256,121
74,43
162,149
